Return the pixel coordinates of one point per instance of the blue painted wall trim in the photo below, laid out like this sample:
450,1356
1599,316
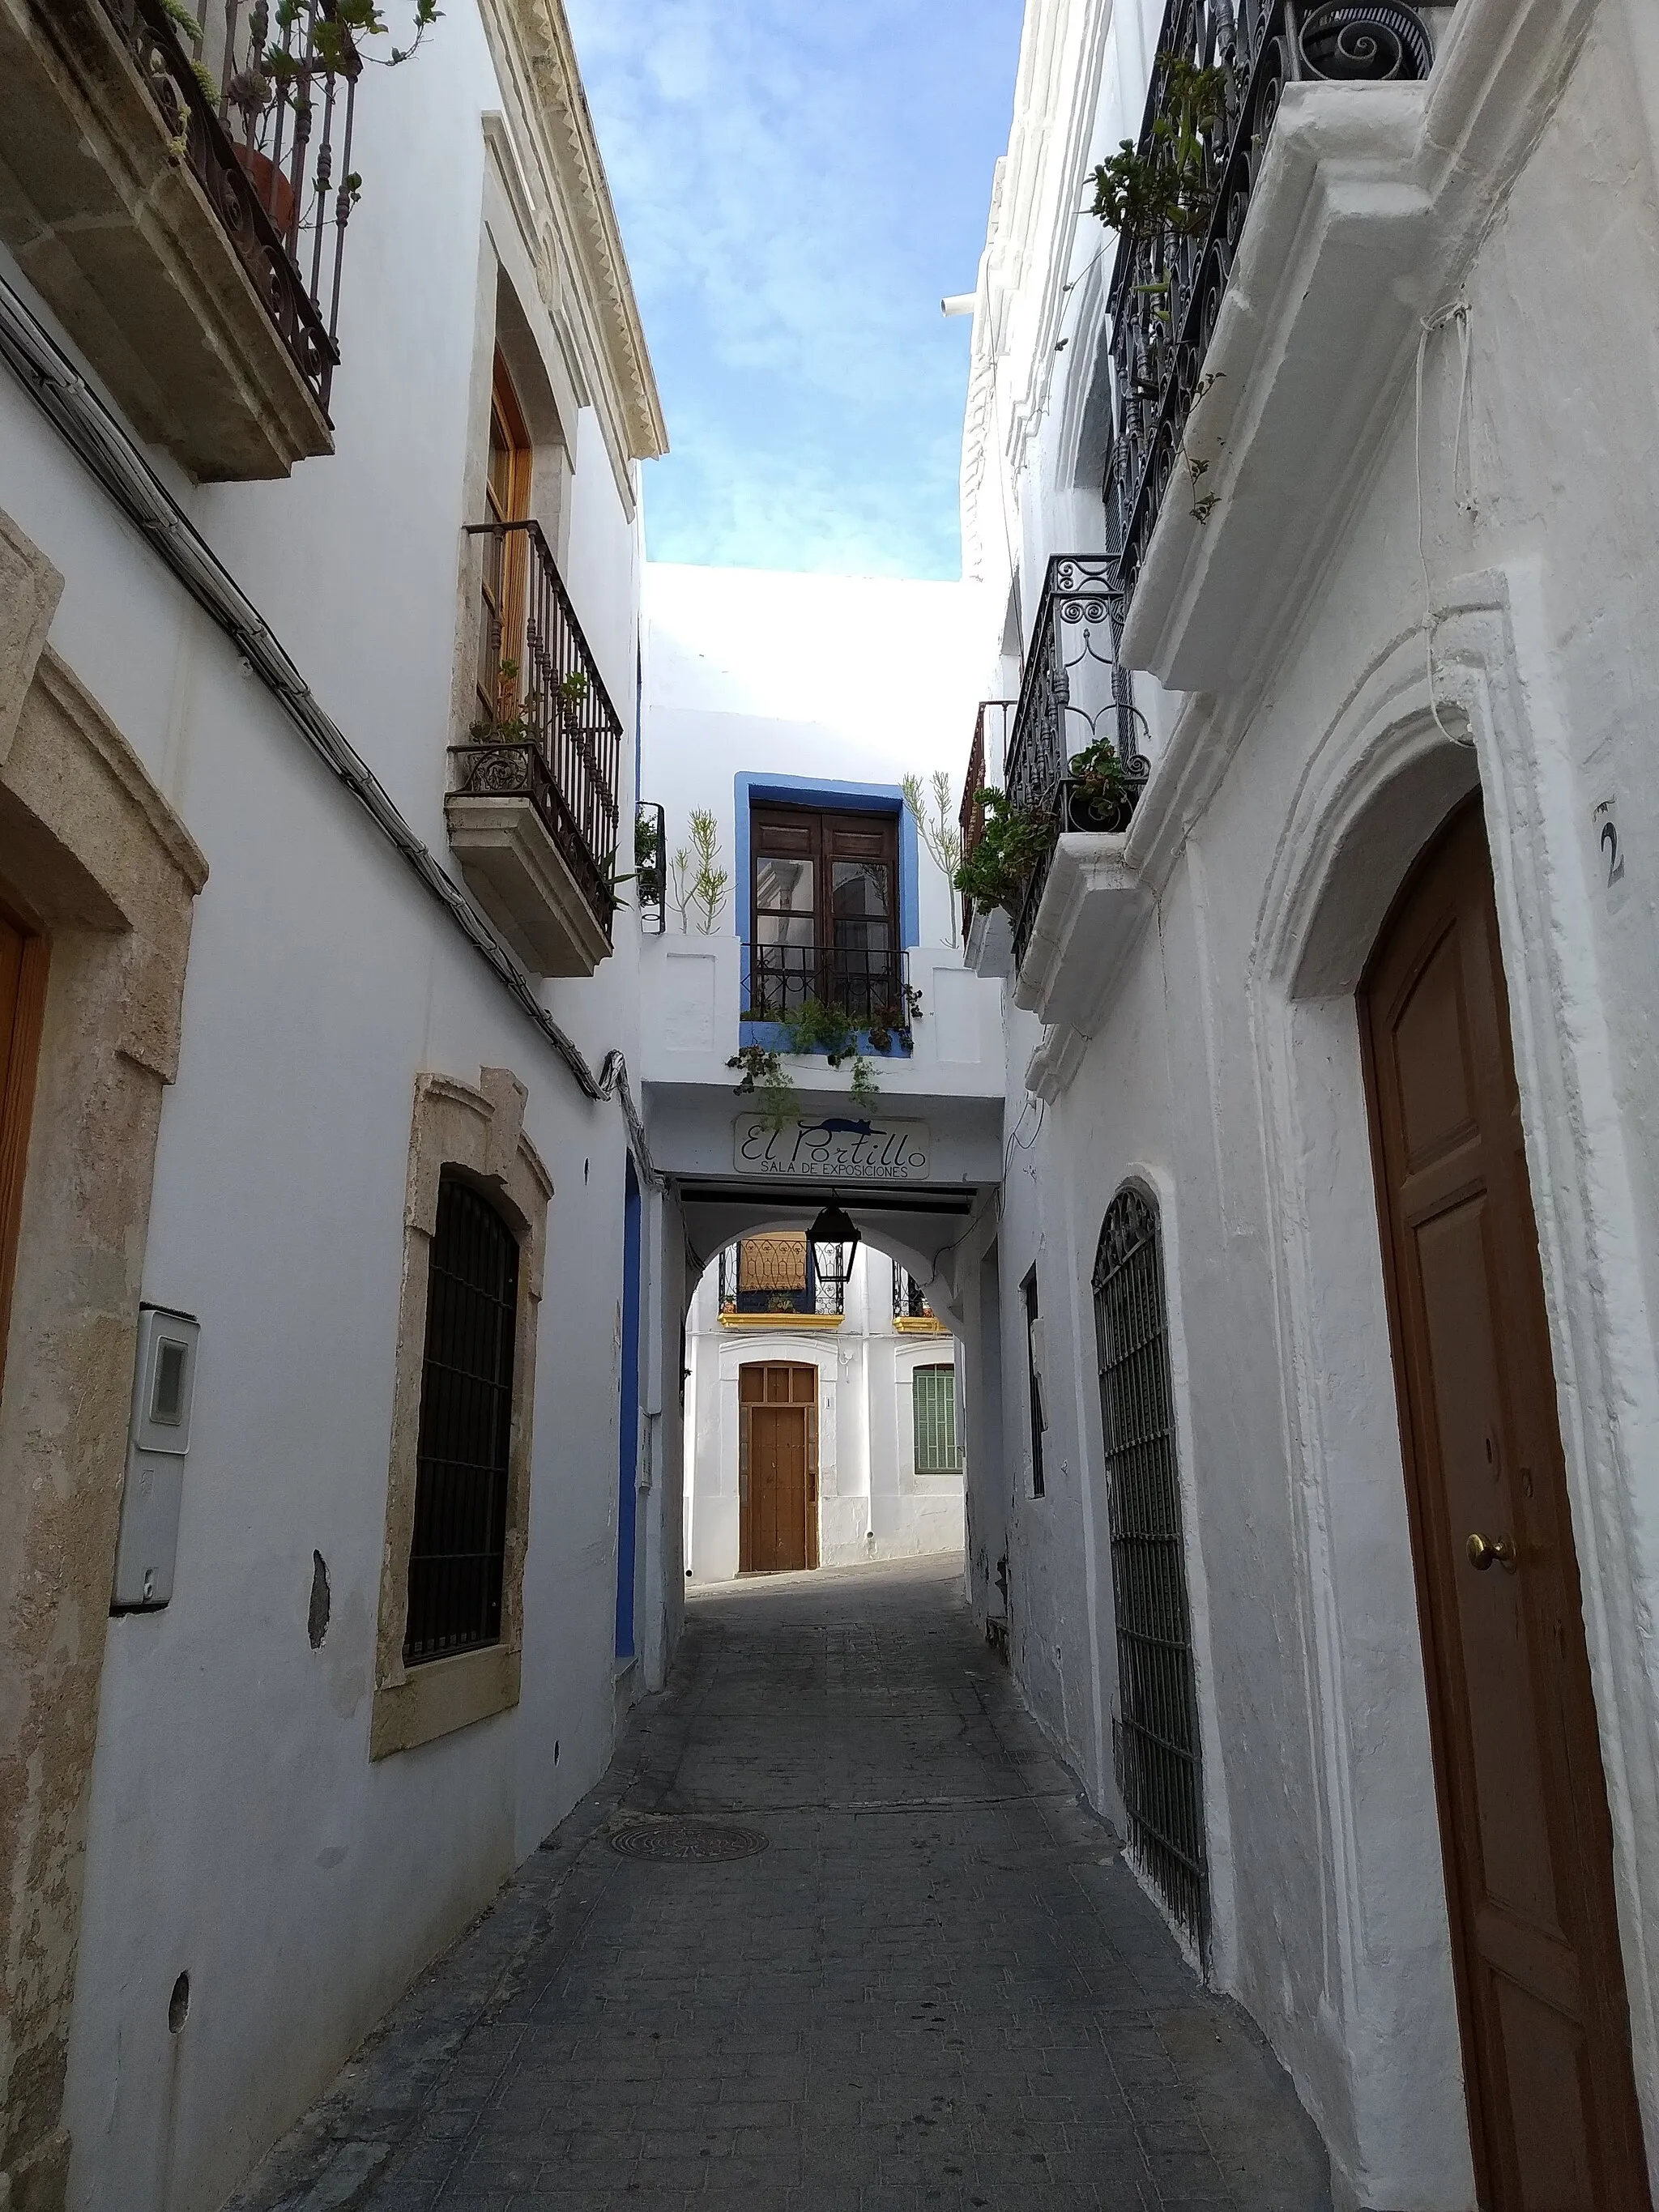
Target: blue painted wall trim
628,1445
849,798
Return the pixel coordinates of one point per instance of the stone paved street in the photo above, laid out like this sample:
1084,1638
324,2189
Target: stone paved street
938,1986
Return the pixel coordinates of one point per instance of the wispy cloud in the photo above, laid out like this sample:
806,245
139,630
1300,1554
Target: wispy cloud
797,187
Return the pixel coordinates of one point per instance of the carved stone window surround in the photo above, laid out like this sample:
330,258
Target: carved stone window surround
478,1131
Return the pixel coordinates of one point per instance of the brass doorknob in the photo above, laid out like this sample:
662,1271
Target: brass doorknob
1483,1551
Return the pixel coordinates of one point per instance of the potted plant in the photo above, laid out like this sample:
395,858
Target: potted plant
1100,794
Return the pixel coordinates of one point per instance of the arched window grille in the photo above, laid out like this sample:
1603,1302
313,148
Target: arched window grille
1155,1739
463,1456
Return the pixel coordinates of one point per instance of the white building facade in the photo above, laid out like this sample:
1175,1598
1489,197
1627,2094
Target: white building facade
1308,1354
870,1467
318,670
784,713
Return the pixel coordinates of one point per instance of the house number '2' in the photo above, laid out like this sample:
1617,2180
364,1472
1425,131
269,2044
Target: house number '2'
1611,852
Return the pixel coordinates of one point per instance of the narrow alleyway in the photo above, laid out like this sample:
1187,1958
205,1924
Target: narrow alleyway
937,1986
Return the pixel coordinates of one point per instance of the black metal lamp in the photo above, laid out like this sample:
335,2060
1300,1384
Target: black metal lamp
835,1226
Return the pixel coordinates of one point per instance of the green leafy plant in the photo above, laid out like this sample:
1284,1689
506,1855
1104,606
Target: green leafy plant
893,1025
1014,839
935,816
768,1082
1100,782
1165,188
334,36
514,721
701,885
813,1027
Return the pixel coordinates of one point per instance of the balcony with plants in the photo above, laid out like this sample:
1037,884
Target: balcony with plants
1268,218
783,1280
532,809
1073,772
183,190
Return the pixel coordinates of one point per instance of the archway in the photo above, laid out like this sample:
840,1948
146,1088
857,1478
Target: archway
822,1422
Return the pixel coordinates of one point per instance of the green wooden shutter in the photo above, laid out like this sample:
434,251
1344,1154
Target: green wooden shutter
933,1405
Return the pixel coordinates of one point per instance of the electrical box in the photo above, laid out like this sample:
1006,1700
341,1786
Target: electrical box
163,1395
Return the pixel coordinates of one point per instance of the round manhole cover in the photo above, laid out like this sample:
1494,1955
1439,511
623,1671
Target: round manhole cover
687,1839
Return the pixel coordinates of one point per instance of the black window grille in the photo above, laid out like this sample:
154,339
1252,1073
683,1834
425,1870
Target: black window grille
1028,1291
1155,1740
909,1304
462,1455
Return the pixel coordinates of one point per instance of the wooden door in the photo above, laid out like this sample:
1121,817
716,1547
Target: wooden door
500,674
1528,1844
777,1467
23,1001
826,912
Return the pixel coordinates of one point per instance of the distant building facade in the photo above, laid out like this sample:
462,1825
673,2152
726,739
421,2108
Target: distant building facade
821,1413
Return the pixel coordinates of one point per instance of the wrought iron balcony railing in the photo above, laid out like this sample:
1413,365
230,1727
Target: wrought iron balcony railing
1167,283
1073,694
263,113
909,1304
555,738
986,758
867,987
769,1275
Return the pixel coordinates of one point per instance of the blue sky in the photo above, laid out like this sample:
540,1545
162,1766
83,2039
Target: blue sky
799,182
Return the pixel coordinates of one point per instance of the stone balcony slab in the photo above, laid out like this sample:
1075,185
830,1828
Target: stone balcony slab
114,230
1093,907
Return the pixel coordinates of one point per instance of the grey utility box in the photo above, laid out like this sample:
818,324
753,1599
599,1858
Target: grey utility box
163,1393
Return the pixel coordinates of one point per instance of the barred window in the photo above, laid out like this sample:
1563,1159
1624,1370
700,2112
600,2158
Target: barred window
458,1550
933,1413
1156,1737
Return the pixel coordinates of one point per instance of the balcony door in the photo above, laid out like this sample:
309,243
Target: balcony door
1523,1808
826,907
507,500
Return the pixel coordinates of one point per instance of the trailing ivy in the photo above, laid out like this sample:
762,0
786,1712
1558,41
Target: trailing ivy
1014,839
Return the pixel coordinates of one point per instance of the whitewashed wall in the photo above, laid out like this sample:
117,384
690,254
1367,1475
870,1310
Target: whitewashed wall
239,1832
857,678
1223,1073
872,1503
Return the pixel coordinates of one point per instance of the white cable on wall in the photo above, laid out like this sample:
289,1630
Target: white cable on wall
1457,314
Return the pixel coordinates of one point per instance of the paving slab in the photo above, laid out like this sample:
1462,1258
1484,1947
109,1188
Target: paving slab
939,1985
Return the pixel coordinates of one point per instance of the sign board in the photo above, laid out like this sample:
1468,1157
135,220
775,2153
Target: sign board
838,1148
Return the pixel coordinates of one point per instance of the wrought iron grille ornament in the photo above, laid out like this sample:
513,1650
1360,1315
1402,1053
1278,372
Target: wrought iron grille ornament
1074,694
557,739
1155,1740
272,151
784,1274
1167,287
909,1304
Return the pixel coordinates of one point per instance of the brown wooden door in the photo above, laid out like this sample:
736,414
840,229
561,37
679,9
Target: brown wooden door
826,912
778,1529
1528,1844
